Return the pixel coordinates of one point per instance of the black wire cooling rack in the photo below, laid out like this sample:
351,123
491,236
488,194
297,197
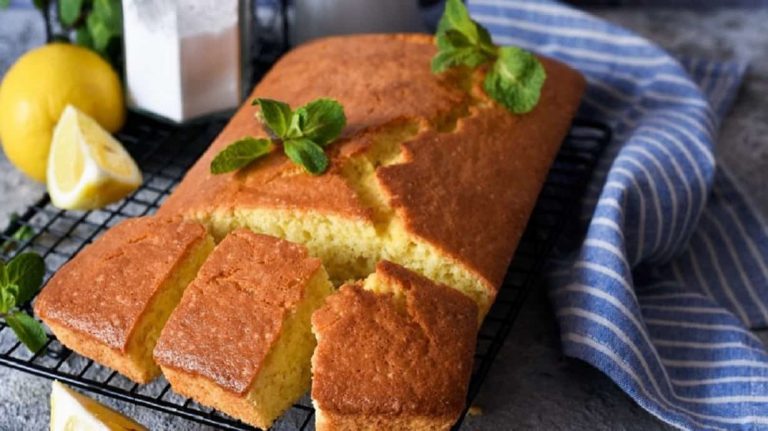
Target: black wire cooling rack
165,152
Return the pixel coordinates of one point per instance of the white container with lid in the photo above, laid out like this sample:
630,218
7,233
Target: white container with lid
184,58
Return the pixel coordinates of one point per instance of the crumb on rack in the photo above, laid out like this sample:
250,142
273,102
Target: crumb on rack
474,411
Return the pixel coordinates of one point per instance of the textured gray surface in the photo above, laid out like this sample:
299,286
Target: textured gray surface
531,385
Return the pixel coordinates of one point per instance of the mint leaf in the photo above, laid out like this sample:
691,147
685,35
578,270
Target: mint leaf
239,154
104,23
321,121
22,234
69,11
4,3
99,32
29,331
83,37
456,17
8,294
453,57
308,154
275,115
110,13
461,41
516,77
484,40
304,132
515,80
25,271
454,39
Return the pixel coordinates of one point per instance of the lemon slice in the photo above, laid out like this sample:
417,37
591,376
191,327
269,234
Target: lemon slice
71,411
87,167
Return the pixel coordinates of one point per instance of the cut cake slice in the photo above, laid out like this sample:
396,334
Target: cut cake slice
110,302
394,352
240,340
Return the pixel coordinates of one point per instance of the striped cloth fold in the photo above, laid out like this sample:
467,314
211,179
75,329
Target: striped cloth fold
671,264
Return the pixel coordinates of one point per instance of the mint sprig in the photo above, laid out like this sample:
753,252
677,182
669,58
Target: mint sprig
320,121
240,153
20,278
516,76
303,133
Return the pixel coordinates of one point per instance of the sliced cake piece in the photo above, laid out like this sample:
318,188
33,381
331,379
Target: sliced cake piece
240,340
394,352
110,302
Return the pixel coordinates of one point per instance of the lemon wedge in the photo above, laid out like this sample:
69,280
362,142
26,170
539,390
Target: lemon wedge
87,167
71,411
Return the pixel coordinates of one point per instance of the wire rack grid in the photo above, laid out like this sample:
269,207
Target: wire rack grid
165,152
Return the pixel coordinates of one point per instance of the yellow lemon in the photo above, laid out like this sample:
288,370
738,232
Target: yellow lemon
71,411
87,167
39,86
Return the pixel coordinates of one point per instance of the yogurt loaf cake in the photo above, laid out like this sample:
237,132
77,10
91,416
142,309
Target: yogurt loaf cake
429,173
240,339
110,302
394,352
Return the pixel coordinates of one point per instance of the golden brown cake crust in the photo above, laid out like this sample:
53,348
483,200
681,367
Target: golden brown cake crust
233,312
376,358
467,191
103,292
382,86
470,192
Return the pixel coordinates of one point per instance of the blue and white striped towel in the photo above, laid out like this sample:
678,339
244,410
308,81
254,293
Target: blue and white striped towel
673,268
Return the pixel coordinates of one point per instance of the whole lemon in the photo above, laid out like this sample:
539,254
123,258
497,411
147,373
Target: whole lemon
39,86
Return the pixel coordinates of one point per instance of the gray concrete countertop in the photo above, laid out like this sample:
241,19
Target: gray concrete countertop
531,386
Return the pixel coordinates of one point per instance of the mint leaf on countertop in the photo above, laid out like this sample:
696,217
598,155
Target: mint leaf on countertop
28,330
516,76
239,154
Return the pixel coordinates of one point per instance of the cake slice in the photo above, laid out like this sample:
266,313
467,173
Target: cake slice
394,352
110,302
240,340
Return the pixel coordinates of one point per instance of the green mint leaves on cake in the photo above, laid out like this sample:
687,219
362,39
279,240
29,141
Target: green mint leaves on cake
461,41
303,133
240,153
515,77
20,279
